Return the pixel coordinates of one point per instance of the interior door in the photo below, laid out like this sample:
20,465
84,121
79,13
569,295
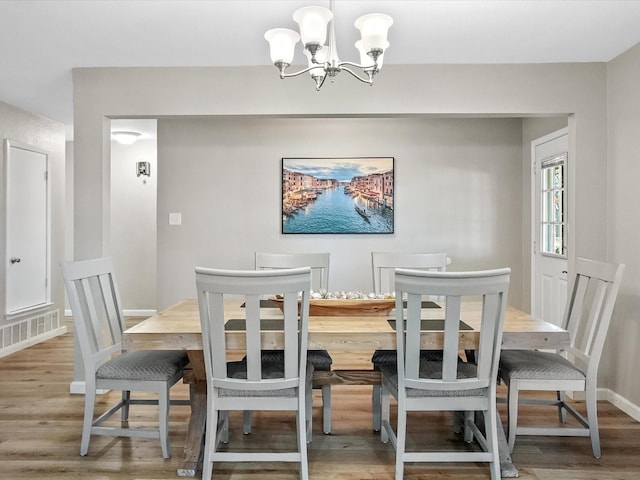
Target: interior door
549,260
27,267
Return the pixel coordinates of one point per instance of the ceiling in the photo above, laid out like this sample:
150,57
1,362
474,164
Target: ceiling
41,41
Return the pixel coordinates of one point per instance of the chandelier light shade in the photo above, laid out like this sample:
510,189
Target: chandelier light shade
374,28
313,22
316,24
282,43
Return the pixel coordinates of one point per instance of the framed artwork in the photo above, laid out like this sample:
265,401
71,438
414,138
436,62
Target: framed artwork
338,195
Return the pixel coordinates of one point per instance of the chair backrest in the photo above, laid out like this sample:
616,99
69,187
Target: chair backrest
319,263
215,285
592,296
96,309
384,263
490,286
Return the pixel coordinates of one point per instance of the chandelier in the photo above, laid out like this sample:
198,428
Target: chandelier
323,59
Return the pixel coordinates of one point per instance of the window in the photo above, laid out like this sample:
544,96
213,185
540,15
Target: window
553,171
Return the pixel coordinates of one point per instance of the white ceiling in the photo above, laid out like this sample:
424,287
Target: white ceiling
41,41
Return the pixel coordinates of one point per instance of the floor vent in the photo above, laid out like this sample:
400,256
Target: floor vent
29,331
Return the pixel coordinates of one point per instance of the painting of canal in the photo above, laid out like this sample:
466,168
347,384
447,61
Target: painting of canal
337,195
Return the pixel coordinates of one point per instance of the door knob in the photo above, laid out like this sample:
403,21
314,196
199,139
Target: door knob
15,259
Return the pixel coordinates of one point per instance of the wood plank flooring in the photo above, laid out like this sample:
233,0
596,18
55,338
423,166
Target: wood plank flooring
40,426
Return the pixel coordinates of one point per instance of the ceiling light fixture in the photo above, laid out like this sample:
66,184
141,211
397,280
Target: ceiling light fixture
125,137
323,59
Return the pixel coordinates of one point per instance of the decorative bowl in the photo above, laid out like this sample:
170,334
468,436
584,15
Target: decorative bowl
362,307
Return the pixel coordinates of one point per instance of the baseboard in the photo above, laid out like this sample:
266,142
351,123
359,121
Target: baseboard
79,387
139,313
614,399
622,403
127,313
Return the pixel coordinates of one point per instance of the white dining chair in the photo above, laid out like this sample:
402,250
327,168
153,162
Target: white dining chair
253,384
592,295
447,384
97,314
321,360
318,261
384,265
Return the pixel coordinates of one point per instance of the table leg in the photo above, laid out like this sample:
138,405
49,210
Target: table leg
194,443
507,468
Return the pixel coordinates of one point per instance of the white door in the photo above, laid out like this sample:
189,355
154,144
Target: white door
27,267
549,221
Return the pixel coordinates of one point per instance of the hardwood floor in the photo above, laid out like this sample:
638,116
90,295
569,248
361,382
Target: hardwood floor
40,426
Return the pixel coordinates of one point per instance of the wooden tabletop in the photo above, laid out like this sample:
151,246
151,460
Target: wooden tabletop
178,327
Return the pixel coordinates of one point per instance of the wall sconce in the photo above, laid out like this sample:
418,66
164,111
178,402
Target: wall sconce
125,137
143,168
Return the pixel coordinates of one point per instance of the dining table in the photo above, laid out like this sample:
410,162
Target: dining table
178,328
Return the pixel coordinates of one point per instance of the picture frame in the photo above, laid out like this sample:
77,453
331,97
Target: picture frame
338,195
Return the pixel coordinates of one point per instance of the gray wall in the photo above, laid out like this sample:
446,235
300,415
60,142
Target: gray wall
457,189
623,221
402,92
27,128
133,225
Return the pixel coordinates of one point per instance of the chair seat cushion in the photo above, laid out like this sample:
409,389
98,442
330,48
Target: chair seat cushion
535,365
433,370
143,365
320,359
271,370
391,356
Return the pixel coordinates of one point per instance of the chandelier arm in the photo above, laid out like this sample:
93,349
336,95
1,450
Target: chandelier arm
363,80
358,65
295,74
370,70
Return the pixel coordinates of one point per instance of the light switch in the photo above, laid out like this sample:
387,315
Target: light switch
175,219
